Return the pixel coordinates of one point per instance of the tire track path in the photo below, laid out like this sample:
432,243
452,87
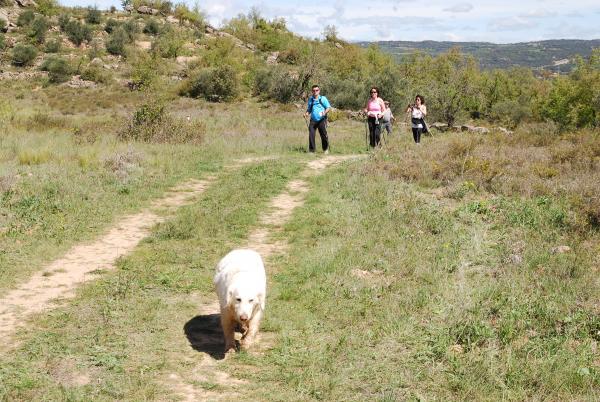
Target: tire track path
59,280
260,239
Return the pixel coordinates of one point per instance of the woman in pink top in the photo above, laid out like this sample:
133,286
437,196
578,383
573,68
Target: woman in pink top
374,110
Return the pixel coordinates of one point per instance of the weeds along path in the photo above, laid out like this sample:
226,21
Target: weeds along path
59,280
261,239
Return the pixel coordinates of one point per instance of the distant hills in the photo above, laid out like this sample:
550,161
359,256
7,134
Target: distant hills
549,55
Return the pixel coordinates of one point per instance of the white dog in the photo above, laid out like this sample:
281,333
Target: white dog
241,285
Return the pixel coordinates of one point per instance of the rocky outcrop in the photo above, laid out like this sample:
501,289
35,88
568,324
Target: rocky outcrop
474,129
186,59
26,3
77,82
22,75
147,10
504,130
272,58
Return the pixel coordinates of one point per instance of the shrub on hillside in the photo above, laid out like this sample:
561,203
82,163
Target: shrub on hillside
510,112
59,70
144,69
3,25
152,27
38,29
23,55
573,101
348,93
111,25
278,84
193,17
63,21
2,42
96,74
78,32
213,84
131,29
169,44
47,7
93,16
25,18
152,123
165,7
95,50
117,41
53,46
6,3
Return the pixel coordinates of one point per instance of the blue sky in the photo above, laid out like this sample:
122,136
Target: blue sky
499,21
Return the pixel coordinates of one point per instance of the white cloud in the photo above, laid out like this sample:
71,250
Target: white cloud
539,13
459,8
511,24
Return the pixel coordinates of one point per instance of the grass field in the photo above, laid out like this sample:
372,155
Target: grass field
416,273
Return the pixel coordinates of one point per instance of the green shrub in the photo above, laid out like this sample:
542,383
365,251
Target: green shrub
78,32
6,3
96,74
151,123
23,55
38,29
93,16
165,7
95,50
277,83
169,44
3,25
152,27
59,69
63,21
53,46
213,84
131,29
117,41
194,17
25,18
144,70
47,7
111,25
2,42
348,93
510,112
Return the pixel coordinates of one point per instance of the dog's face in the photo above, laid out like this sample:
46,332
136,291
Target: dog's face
245,303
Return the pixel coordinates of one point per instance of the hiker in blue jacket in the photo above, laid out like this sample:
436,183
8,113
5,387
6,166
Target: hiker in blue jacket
318,106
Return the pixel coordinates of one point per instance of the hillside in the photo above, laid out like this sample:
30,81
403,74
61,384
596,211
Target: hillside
548,55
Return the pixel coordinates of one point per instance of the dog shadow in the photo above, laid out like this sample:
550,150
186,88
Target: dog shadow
205,335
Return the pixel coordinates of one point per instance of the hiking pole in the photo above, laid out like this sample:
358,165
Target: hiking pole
366,133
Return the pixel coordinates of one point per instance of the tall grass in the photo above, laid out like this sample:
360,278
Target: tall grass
421,273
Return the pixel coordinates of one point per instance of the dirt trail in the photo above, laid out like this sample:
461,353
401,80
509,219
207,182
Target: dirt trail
59,280
204,332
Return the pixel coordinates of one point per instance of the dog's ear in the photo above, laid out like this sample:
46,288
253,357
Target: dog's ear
261,300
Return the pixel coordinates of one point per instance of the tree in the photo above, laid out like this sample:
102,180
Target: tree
451,84
330,33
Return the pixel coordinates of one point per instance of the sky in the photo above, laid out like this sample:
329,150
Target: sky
498,21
